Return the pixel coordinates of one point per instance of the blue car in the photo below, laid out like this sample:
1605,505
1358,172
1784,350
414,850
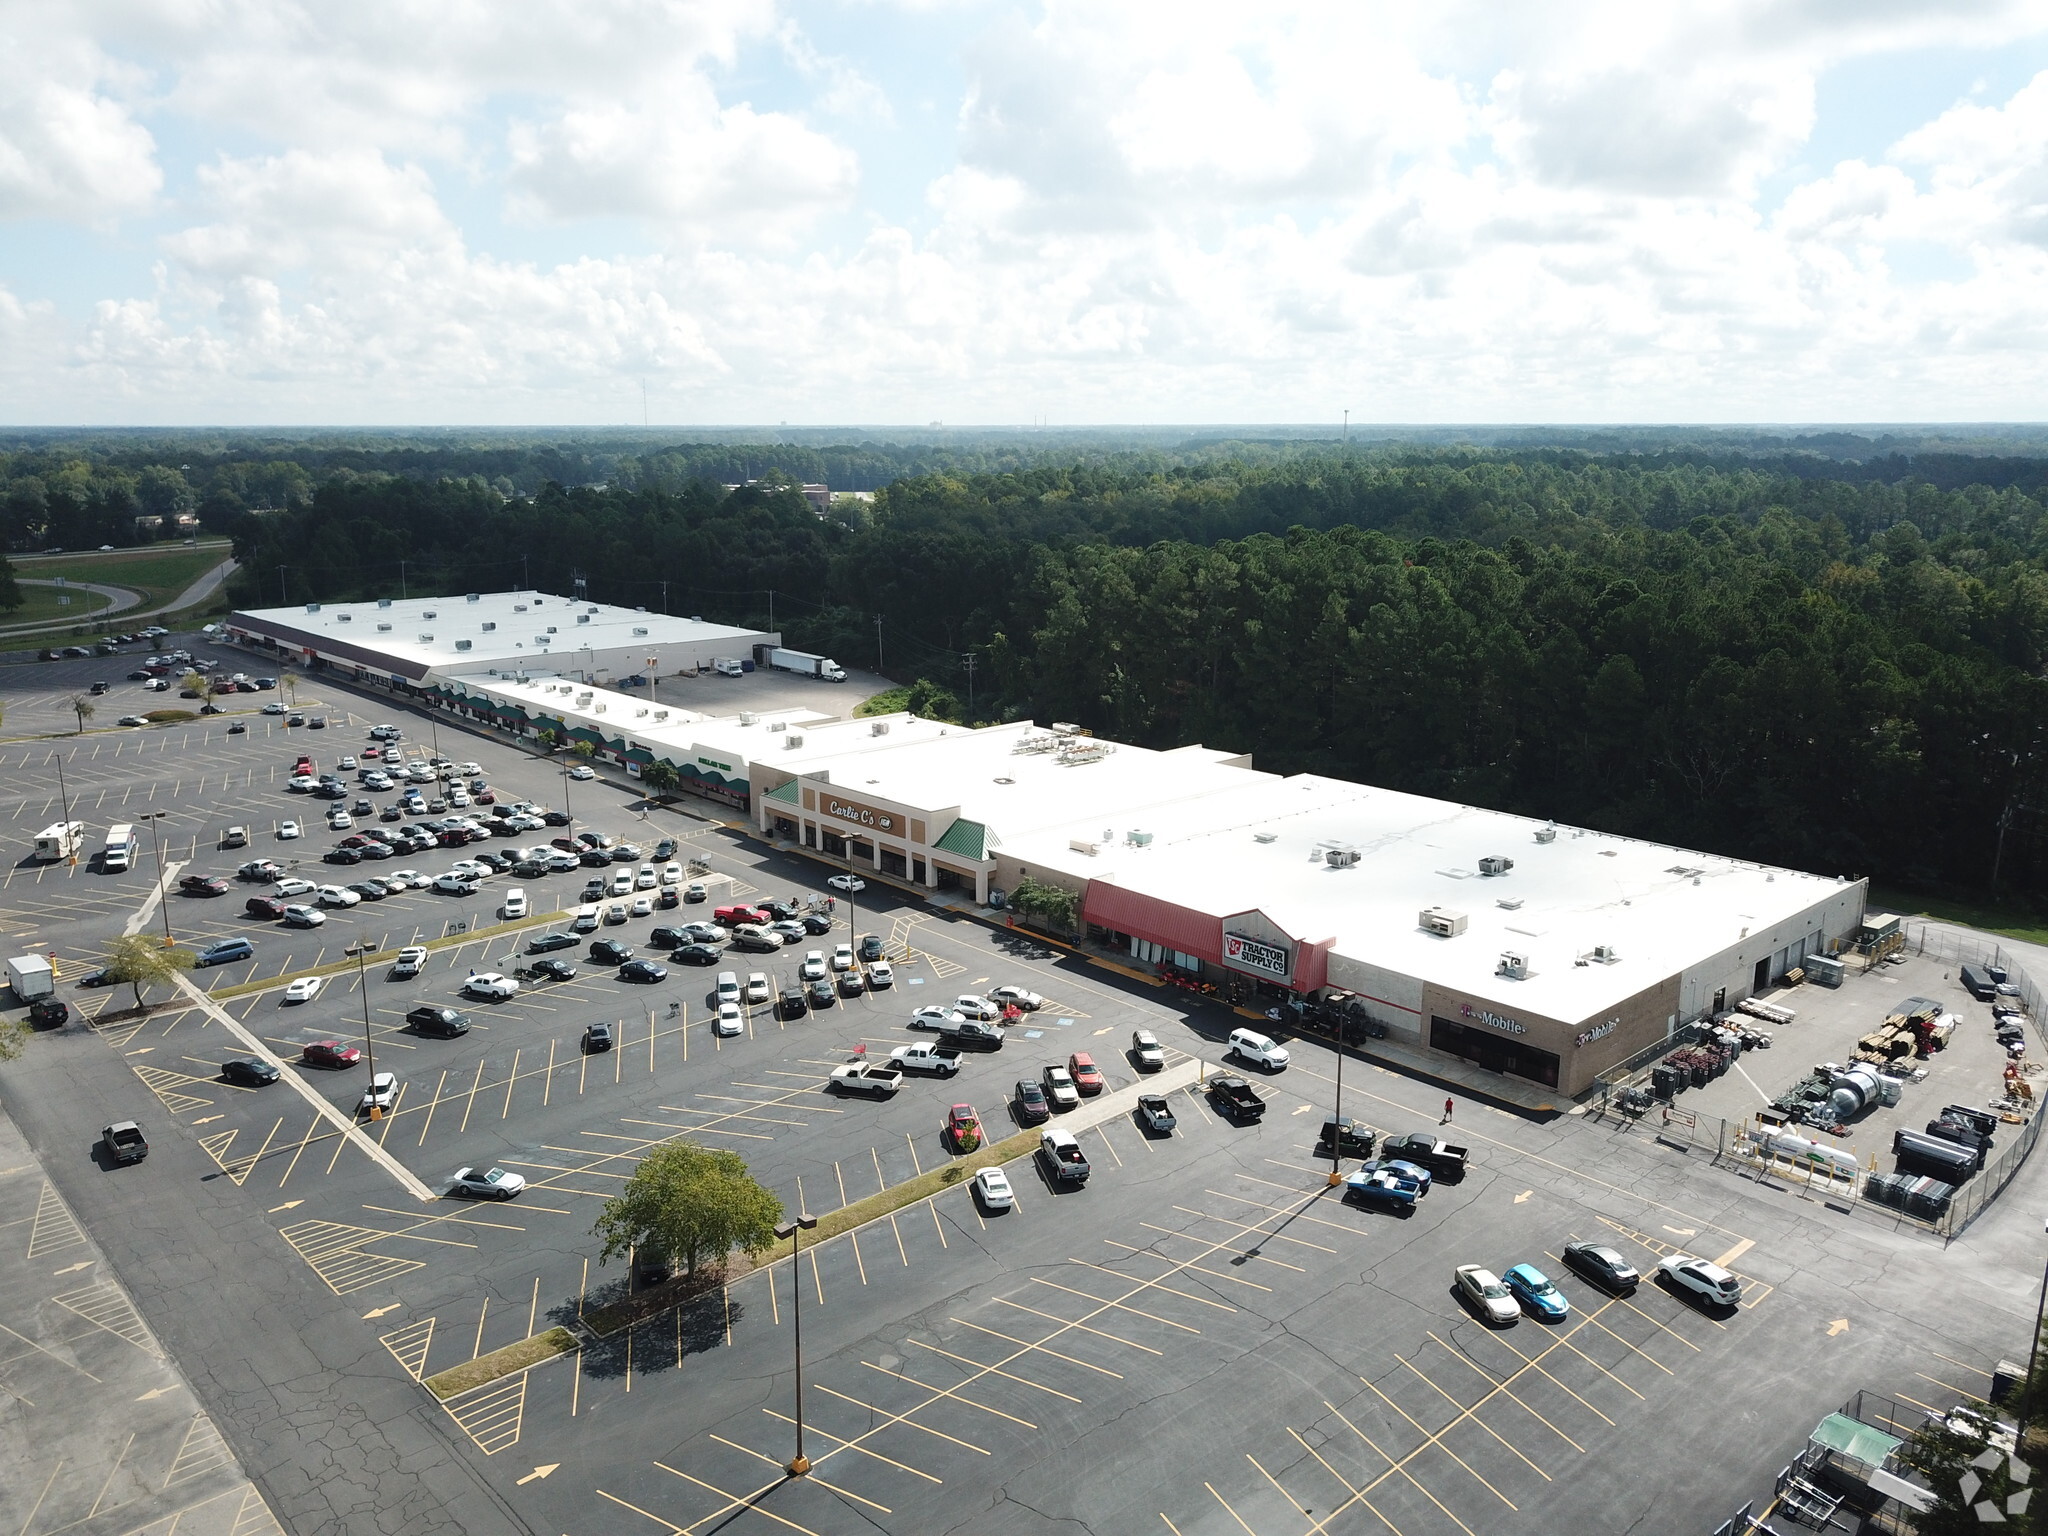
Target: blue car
1533,1289
1384,1189
1410,1172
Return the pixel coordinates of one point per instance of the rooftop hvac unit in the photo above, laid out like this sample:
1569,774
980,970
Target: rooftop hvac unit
462,645
489,625
312,607
638,629
343,617
1340,858
552,628
383,602
1606,954
793,739
1509,903
472,597
640,608
1512,965
749,719
582,618
429,614
661,714
540,639
639,712
1546,834
591,609
519,607
1494,864
383,628
1442,922
1265,837
879,728
1082,845
1138,839
426,639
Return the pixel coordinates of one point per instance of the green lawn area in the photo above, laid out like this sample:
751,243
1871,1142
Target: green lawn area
2013,920
159,572
43,607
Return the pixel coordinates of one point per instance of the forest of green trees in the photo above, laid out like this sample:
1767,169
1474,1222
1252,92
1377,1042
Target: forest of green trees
1831,669
1823,651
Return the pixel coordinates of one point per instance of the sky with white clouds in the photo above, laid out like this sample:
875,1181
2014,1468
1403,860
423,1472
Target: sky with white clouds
1005,211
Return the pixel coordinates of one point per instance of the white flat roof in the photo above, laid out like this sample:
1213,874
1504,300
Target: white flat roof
1661,909
424,629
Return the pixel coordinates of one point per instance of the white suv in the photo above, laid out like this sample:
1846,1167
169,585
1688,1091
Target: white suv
1709,1282
728,986
1250,1045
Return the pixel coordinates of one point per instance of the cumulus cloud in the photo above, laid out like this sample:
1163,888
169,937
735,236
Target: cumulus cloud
70,144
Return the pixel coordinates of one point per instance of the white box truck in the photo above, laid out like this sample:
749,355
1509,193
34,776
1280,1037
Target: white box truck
807,665
31,977
60,840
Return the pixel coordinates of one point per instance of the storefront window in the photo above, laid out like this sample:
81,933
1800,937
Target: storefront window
1494,1052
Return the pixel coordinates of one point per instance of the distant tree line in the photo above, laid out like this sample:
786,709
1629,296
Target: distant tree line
1831,671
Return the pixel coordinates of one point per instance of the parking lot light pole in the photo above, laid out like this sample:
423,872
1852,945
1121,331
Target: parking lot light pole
800,1464
162,901
1337,1116
369,1045
70,842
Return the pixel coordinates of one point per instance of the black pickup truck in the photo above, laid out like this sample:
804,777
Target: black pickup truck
972,1035
1432,1152
1235,1097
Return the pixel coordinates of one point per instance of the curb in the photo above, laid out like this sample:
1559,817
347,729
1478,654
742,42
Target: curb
336,967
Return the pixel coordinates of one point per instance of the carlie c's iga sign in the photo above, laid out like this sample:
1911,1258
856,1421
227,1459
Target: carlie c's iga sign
1256,955
859,815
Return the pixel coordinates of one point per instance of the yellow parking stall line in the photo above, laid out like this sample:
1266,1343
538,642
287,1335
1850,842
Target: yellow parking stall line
750,1502
907,1421
547,1083
1469,1413
471,1102
427,1123
771,1461
1946,1387
1527,1360
1631,1344
1231,1222
854,1238
914,1163
304,1142
1973,1370
1639,1312
1401,1464
1727,1260
1120,1306
1260,1205
1502,1387
1189,1236
901,1251
928,1387
1344,1483
510,1078
1220,1306
1103,1132
1196,1268
1079,1327
841,1177
1248,1531
1025,1381
1027,1344
937,1225
340,1145
881,1183
392,1116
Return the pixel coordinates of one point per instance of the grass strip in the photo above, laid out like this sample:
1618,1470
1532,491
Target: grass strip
499,1363
348,962
1986,914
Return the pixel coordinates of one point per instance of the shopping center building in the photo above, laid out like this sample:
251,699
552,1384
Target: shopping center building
1539,952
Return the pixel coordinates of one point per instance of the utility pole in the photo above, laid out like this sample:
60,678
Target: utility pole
280,586
664,599
1347,424
524,581
401,578
162,901
968,661
878,642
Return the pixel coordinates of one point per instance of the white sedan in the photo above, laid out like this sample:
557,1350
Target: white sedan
339,821
293,886
992,1185
489,984
1022,997
937,1018
412,877
287,830
842,957
643,906
486,1184
1482,1287
580,771
671,874
304,990
847,883
728,1021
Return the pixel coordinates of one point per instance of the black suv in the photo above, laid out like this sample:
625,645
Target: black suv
444,1022
610,952
792,1003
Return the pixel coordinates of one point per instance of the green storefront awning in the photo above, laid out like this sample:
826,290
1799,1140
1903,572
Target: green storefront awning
968,839
788,794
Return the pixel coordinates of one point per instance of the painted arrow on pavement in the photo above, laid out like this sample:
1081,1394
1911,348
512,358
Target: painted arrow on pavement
1839,1325
537,1473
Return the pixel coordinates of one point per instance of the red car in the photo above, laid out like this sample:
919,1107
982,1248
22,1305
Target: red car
962,1129
303,765
267,907
330,1053
373,753
203,885
1087,1076
484,797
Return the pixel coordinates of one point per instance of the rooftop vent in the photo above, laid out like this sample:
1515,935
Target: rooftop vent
383,602
312,607
1442,921
519,607
540,639
879,728
1265,837
473,597
1606,954
639,629
1494,864
582,618
591,609
1138,839
1510,903
793,739
639,607
429,614
552,628
383,628
343,617
748,719
489,625
1513,965
1546,834
1082,845
462,645
426,639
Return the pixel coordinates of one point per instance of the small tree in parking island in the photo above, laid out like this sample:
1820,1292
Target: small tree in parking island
689,1203
142,961
83,707
290,680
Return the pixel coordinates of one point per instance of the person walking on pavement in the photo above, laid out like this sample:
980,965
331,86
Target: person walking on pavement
1448,1107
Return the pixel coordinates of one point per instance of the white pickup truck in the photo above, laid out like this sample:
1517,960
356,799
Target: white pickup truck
866,1077
940,1060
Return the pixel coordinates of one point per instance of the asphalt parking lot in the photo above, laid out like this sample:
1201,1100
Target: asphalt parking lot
1203,1339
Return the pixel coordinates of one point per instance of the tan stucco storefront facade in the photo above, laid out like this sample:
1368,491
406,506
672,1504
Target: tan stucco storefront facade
1566,1055
882,837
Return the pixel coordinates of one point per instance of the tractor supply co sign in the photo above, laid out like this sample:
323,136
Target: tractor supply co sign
859,815
1498,1021
1255,955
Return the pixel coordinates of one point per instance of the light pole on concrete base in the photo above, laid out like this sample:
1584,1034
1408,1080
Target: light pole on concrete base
800,1464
